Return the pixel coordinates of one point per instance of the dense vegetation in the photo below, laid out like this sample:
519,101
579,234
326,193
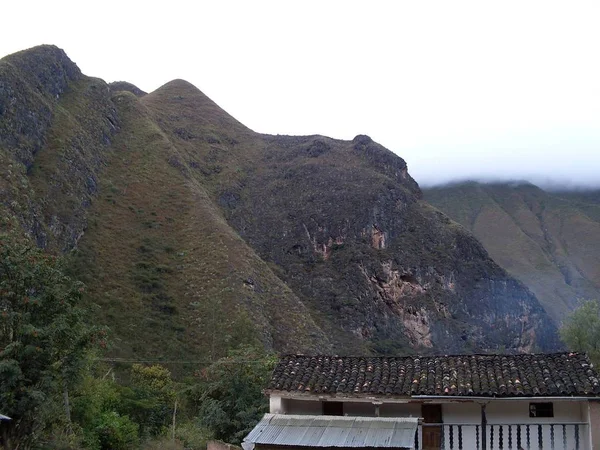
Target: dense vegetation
60,393
581,330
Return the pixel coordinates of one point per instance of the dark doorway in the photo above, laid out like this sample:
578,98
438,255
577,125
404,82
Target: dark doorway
333,408
432,434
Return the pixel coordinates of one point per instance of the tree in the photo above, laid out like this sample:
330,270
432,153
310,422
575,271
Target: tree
43,338
229,396
153,399
581,330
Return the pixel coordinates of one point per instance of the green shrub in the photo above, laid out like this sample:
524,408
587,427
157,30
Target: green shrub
192,435
116,432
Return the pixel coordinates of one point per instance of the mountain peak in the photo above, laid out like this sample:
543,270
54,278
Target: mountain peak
181,98
46,67
126,86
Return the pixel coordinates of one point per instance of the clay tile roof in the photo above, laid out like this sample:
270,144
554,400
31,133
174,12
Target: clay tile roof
557,374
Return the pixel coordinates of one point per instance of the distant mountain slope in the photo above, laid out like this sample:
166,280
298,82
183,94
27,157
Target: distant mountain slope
195,234
548,240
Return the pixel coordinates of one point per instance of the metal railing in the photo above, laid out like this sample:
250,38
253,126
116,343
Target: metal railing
502,436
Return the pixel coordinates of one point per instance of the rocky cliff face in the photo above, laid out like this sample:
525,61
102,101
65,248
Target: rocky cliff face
187,224
343,224
56,126
352,237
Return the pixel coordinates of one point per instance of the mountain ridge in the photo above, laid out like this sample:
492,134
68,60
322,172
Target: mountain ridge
195,234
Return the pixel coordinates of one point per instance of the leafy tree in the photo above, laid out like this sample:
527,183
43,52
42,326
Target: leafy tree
116,432
229,395
581,330
151,398
93,399
43,338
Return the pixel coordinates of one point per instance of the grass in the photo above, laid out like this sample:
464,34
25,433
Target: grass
164,265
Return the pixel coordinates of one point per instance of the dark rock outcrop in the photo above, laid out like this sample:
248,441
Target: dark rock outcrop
356,242
55,128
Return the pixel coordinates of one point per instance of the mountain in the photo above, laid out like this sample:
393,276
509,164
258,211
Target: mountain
195,234
548,240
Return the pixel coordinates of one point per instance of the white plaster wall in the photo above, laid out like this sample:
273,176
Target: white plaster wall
497,412
517,412
514,411
275,405
462,413
593,414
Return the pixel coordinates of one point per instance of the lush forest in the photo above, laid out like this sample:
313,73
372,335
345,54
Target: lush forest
61,392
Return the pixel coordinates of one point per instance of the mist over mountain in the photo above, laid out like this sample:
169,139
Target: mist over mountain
194,234
554,159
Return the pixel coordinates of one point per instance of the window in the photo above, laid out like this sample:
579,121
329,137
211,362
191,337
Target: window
333,408
541,409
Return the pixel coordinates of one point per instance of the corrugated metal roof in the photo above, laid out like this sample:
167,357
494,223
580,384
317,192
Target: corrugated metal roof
334,431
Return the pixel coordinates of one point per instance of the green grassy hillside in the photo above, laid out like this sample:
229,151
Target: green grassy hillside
191,286
548,240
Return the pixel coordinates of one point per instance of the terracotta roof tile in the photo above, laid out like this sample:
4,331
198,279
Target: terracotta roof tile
557,374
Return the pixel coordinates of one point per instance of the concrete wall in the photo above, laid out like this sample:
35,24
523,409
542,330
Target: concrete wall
593,415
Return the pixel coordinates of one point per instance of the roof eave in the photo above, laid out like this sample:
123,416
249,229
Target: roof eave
404,398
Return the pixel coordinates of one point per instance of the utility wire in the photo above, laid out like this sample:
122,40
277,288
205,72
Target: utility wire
159,361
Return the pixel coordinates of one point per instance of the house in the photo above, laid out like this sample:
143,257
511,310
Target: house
549,401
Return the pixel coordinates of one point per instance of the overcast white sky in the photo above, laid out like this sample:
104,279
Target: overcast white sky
459,89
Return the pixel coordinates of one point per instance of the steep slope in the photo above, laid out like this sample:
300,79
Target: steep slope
587,201
172,279
343,225
550,241
55,129
195,234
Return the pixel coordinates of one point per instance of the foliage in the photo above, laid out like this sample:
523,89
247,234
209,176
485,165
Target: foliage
116,432
151,398
95,397
193,435
44,347
229,395
43,336
581,330
146,401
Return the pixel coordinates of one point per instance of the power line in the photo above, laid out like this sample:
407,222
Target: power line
159,361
